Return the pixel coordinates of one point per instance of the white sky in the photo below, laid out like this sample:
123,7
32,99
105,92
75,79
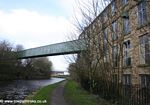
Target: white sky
34,23
30,25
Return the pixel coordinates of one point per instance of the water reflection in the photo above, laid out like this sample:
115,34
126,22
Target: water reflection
19,89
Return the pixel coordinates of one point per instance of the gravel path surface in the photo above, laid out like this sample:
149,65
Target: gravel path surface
57,95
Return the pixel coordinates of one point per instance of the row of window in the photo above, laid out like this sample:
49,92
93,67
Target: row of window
144,80
113,5
113,9
142,20
144,52
144,48
141,16
126,28
126,56
126,79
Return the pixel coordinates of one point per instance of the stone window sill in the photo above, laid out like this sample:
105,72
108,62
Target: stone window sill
115,67
144,65
124,5
143,25
126,33
126,67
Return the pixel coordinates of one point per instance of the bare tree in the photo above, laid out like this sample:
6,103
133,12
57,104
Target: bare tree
109,51
87,61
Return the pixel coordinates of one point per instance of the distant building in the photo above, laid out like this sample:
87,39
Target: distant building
59,73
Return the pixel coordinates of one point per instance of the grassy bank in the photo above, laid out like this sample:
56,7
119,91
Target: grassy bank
74,95
77,96
42,96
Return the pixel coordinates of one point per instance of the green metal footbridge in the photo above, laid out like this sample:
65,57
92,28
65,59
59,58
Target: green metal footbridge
69,47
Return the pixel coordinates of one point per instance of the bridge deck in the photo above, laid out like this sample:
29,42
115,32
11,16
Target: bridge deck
69,47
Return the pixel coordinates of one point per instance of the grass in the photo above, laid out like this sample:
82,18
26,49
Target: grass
42,96
75,95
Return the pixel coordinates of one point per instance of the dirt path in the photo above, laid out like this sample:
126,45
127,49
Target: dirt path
57,95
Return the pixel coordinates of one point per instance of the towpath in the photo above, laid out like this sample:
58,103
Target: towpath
58,95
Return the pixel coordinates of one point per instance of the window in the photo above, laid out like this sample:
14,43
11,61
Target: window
113,8
126,27
127,85
105,15
127,58
144,49
145,80
115,56
115,78
124,2
114,30
142,16
126,79
105,33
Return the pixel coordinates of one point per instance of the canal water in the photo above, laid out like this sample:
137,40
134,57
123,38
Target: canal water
19,89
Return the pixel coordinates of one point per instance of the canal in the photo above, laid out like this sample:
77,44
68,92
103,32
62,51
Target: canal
19,89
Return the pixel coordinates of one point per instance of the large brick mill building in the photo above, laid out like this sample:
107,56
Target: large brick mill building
127,21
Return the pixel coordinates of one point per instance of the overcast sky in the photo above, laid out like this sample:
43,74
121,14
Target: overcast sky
34,23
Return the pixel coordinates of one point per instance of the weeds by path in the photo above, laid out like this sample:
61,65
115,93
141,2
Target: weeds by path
75,95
